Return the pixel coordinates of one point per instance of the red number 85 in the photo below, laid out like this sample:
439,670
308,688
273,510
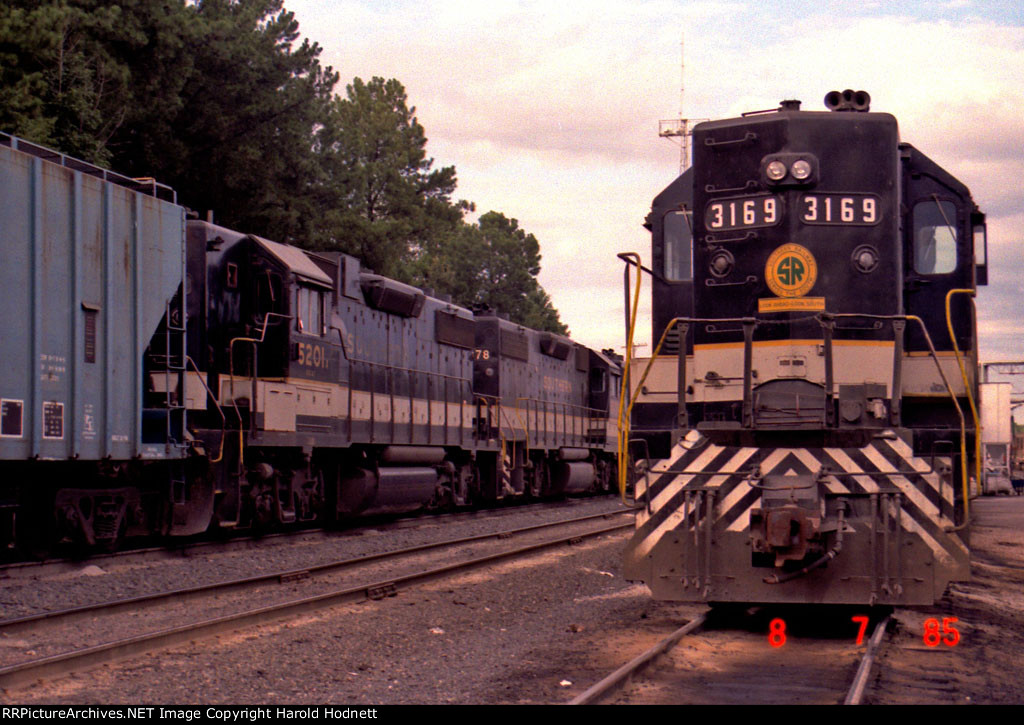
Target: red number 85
932,636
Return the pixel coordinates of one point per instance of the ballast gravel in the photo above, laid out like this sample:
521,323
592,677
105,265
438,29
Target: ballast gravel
539,630
30,591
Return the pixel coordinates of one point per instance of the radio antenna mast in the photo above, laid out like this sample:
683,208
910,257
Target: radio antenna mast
680,128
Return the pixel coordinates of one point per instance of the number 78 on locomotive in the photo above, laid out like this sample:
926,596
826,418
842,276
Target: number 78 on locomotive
804,430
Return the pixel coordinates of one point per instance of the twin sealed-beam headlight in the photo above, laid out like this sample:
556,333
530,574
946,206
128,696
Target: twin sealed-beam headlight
775,170
792,168
801,170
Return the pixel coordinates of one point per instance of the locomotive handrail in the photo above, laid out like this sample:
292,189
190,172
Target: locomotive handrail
623,424
749,323
710,239
967,385
712,189
627,258
231,373
526,423
748,136
588,414
255,341
494,400
945,380
503,415
223,418
825,319
430,375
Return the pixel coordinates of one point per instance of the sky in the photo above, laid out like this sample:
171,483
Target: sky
549,111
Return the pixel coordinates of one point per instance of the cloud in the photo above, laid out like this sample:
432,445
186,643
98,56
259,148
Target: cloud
549,111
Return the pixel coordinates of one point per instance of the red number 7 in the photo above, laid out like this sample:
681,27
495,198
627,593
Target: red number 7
862,620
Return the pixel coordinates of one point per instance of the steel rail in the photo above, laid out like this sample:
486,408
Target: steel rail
185,548
618,678
146,600
860,680
54,666
622,675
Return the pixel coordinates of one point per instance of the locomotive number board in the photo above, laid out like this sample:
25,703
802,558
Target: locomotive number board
743,213
839,209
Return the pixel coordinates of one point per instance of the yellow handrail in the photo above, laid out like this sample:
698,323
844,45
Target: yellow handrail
650,362
970,398
623,425
625,411
223,418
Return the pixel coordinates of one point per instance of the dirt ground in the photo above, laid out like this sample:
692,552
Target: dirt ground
542,630
983,666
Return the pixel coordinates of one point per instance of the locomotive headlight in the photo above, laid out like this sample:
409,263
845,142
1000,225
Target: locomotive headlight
776,170
801,170
789,168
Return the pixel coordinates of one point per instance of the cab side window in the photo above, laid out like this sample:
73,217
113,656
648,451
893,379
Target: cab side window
309,311
677,236
935,237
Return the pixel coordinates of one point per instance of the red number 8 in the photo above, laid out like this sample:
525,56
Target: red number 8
777,632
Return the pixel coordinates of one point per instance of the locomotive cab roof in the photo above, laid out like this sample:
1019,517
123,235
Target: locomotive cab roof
788,111
295,260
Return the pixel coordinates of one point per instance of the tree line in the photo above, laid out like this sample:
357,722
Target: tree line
222,100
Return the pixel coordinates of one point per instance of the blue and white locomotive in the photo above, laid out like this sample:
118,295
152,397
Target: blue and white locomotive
161,376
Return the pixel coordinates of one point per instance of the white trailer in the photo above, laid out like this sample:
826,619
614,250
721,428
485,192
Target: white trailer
996,437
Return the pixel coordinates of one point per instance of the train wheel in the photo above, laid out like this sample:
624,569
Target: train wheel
35,527
537,480
7,519
463,484
600,476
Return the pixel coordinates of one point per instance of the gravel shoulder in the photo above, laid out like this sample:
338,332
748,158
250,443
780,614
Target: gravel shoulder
509,634
984,665
542,630
31,591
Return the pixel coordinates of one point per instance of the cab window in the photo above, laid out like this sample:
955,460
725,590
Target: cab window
677,236
309,311
934,237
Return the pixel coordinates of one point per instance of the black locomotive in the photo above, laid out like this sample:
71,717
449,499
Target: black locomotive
810,400
173,375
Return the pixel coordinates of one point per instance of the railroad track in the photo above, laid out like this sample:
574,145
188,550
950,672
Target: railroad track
14,567
221,607
759,656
